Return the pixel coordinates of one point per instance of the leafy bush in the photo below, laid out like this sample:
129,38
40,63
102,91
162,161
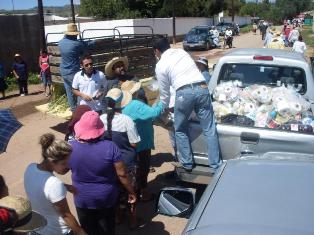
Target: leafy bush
12,83
308,36
246,28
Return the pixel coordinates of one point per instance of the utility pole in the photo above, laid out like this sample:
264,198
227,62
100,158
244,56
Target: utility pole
232,9
13,7
72,12
42,24
173,22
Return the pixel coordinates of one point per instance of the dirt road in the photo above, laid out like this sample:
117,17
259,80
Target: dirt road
23,149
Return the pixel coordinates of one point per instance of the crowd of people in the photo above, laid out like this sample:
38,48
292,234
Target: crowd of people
289,36
108,142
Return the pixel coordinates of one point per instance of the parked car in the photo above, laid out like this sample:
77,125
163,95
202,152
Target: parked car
198,37
249,66
249,196
222,27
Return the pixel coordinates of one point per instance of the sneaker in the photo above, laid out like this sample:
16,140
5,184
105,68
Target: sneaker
179,165
22,94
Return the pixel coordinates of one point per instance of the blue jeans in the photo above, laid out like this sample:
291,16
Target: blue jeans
67,82
197,98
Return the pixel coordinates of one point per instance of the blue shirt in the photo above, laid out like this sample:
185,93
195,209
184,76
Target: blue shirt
206,76
143,116
21,70
71,50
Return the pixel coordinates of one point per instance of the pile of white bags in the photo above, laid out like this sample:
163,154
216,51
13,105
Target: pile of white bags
266,106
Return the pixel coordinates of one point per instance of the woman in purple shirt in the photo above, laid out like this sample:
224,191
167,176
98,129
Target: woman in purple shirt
95,165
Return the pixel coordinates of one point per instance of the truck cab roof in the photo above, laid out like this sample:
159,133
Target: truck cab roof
266,52
257,196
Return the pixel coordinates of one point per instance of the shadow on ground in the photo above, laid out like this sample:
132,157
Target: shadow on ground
146,210
61,127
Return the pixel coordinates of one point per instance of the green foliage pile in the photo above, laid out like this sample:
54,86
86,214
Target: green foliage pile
58,104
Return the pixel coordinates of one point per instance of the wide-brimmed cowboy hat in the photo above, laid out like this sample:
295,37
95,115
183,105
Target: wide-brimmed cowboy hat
28,220
108,68
72,29
131,86
121,98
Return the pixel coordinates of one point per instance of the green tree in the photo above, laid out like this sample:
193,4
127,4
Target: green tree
249,9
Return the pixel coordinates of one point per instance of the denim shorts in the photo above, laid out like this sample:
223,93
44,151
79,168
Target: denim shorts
46,78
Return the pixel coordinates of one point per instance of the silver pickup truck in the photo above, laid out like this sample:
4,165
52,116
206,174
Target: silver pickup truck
263,67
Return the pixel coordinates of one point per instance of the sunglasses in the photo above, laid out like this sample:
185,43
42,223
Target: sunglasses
88,65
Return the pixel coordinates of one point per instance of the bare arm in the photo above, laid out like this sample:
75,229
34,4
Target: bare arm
133,145
123,177
15,74
63,210
82,95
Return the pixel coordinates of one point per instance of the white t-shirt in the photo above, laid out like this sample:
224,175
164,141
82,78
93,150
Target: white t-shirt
175,68
123,123
43,189
299,47
89,86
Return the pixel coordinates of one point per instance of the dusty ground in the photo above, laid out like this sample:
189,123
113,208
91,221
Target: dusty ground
23,148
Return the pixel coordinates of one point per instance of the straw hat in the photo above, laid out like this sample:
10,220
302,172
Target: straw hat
277,33
272,30
72,29
121,98
28,220
131,86
112,62
89,126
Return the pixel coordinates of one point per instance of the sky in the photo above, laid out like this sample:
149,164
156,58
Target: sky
26,4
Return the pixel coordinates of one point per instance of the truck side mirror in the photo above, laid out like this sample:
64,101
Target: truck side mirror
173,201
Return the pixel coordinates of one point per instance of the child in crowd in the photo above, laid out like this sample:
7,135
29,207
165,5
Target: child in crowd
122,131
143,116
3,85
45,74
20,72
202,64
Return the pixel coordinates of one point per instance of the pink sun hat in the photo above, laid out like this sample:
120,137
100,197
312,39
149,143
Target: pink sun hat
89,126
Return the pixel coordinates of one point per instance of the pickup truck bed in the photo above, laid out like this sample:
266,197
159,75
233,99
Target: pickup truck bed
241,140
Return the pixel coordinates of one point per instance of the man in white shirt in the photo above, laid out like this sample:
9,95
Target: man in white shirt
88,84
299,46
294,35
215,36
177,69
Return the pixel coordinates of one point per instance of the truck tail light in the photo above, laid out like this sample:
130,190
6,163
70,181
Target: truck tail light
263,57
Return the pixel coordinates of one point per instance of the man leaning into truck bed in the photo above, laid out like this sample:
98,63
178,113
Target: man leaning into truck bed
176,68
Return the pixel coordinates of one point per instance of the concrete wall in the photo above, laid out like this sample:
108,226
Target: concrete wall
241,20
159,25
20,34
